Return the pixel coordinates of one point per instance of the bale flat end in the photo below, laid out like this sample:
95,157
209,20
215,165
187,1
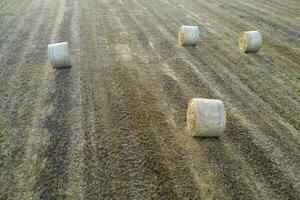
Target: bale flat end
243,42
191,117
181,37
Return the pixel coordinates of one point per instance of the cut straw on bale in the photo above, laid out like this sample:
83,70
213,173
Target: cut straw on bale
250,41
206,117
188,35
58,54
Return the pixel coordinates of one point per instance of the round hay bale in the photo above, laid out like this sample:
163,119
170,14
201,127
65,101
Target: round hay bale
206,117
250,41
58,54
188,35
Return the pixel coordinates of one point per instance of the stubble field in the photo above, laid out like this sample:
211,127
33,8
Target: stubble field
114,125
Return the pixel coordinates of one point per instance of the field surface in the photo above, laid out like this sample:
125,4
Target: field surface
114,125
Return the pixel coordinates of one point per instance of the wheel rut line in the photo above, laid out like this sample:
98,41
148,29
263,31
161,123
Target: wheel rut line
21,21
228,30
52,180
53,175
17,57
272,43
103,151
20,102
269,106
129,141
114,93
211,29
254,93
269,11
230,106
117,128
91,162
218,72
18,11
75,189
260,161
264,20
280,10
288,7
36,136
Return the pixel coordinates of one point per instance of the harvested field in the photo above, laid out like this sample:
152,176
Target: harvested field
114,125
